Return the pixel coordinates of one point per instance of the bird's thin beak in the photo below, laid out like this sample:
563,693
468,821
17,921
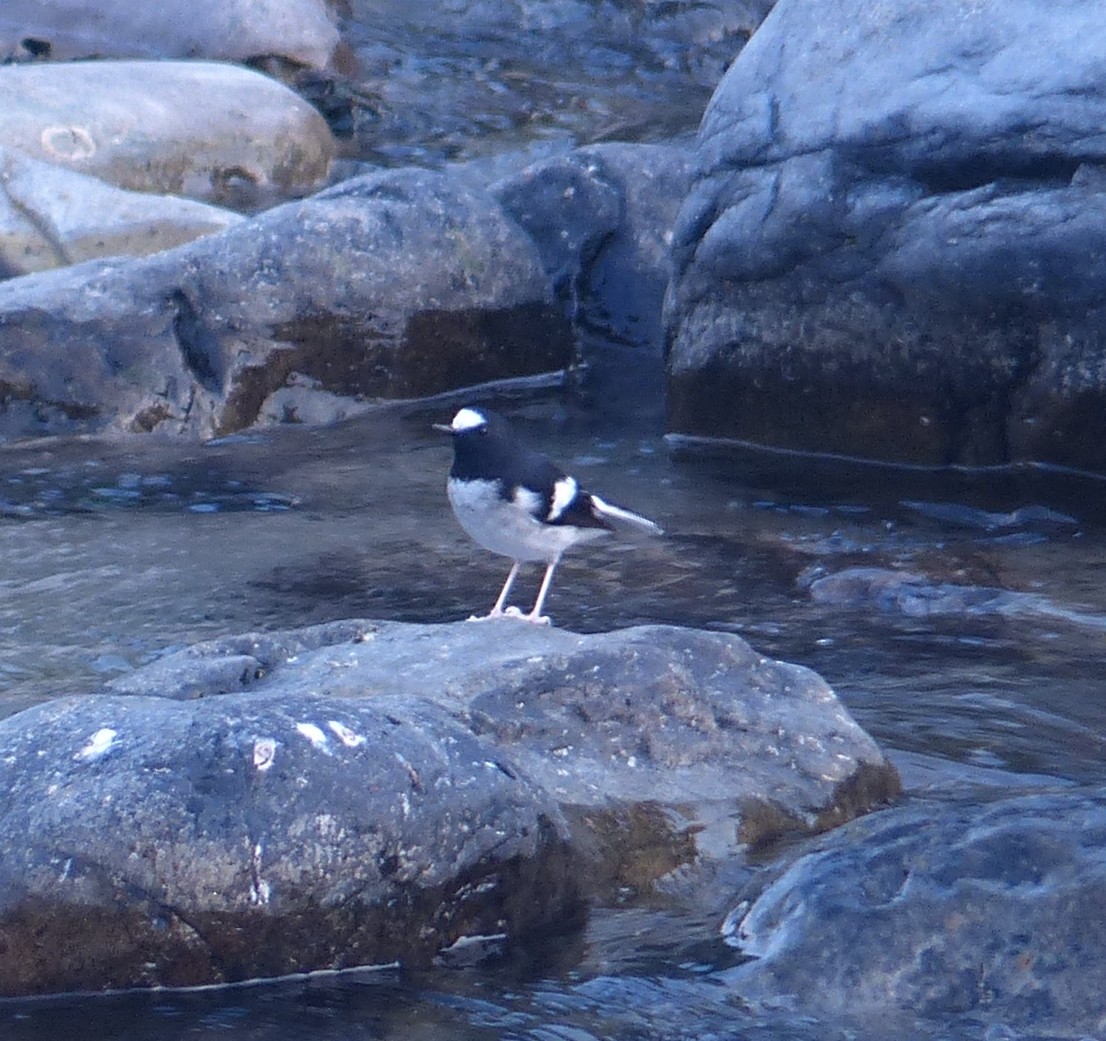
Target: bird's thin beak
442,427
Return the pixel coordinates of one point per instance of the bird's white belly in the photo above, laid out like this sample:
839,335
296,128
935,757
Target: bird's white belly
509,528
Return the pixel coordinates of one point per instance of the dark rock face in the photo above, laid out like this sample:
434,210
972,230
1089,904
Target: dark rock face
602,217
736,749
401,284
895,246
996,914
152,842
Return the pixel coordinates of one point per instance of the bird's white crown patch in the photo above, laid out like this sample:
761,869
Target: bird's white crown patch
468,419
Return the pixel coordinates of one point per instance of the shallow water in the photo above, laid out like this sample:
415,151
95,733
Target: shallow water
112,552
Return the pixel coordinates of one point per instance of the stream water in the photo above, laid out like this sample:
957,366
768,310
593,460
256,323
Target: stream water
979,674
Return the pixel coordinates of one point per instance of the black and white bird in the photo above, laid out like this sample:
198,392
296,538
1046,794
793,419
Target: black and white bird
518,503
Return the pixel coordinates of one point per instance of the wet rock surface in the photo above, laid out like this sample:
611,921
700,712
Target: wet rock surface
494,75
208,131
399,284
148,842
868,179
991,915
917,595
602,218
650,738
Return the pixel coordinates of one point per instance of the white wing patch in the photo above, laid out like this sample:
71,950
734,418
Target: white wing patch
619,515
564,491
468,419
527,500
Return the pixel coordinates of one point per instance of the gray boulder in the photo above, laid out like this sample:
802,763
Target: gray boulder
896,244
51,217
395,285
664,746
299,31
992,914
602,217
212,132
148,842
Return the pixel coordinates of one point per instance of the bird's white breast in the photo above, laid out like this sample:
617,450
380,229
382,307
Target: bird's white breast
511,528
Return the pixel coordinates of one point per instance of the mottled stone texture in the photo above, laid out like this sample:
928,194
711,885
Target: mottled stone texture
737,748
149,842
896,244
359,793
997,915
395,285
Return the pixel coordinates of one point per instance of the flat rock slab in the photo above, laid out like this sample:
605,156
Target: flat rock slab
148,842
651,738
212,132
51,217
993,914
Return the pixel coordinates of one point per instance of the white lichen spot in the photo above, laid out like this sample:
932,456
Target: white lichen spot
348,737
405,805
260,890
264,752
313,734
98,744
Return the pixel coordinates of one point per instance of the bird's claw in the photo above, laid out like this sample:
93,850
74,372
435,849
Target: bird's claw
511,612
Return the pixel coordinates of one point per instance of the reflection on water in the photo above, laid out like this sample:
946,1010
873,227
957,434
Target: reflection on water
113,552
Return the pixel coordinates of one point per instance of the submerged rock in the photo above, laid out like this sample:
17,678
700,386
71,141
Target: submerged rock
147,842
895,246
994,914
916,595
665,746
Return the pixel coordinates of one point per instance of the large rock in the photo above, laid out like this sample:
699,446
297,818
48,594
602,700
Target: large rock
993,914
213,132
50,217
897,242
149,842
664,746
300,31
396,285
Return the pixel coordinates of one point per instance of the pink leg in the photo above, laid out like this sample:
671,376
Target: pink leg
535,614
497,611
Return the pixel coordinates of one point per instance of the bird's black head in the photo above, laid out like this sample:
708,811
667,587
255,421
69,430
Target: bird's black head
483,443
